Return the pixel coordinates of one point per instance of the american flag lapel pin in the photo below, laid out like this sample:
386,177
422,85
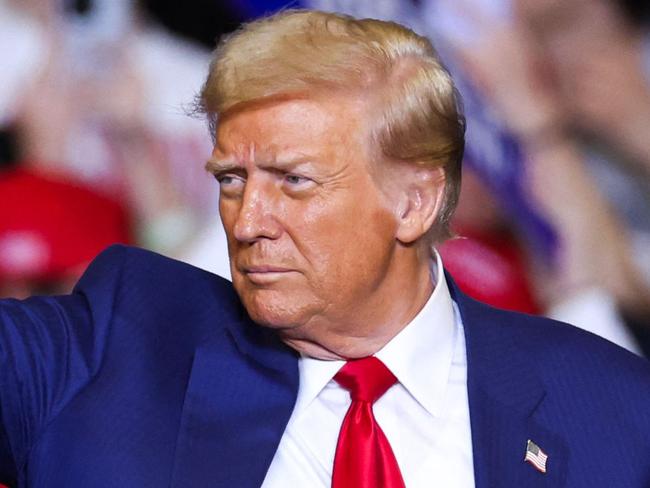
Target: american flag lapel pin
535,456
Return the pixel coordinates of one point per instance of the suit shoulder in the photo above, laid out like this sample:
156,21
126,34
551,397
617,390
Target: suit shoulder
556,346
120,265
152,290
148,263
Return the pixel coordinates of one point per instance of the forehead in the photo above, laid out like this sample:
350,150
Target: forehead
310,125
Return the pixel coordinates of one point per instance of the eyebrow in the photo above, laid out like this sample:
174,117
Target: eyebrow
214,165
286,164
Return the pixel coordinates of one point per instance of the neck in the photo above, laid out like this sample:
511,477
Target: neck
367,328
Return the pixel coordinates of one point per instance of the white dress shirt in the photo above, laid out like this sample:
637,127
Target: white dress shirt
425,415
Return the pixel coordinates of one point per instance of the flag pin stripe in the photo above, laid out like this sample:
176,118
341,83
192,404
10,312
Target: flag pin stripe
535,456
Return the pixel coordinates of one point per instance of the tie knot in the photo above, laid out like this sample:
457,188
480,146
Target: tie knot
366,379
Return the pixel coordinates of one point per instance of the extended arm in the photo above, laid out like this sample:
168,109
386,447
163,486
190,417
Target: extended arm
50,348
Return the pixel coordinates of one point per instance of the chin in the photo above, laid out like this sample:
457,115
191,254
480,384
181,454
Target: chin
276,310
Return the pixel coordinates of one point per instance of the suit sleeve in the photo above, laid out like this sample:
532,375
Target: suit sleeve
50,348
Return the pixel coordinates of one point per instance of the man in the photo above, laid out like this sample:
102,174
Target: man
343,356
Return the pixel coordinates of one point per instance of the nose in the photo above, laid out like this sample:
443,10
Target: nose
256,217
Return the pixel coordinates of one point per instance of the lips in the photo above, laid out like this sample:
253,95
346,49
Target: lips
264,268
265,274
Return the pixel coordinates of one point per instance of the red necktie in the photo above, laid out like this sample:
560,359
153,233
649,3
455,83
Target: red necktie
364,458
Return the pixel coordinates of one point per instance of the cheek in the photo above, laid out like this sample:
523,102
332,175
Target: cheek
227,213
348,247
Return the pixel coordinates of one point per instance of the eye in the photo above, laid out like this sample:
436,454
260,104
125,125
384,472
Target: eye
295,179
230,184
296,183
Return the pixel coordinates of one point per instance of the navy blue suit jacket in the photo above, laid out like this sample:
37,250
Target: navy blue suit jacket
150,375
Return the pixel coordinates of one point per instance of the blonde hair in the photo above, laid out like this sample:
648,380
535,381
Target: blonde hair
298,51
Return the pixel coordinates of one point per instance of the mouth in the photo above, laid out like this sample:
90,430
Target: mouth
265,274
263,268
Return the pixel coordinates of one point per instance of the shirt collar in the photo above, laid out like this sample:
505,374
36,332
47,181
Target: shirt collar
420,355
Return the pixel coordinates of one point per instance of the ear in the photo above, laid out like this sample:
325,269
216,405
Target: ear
421,199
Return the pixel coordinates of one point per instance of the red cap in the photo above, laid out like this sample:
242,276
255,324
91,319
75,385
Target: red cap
489,266
49,228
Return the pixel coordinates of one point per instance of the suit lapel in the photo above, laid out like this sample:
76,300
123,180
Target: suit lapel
504,395
499,435
238,401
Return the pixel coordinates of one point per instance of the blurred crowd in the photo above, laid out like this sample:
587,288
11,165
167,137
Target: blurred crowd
97,147
93,101
570,79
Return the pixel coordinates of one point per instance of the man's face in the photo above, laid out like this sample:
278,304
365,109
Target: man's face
310,235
